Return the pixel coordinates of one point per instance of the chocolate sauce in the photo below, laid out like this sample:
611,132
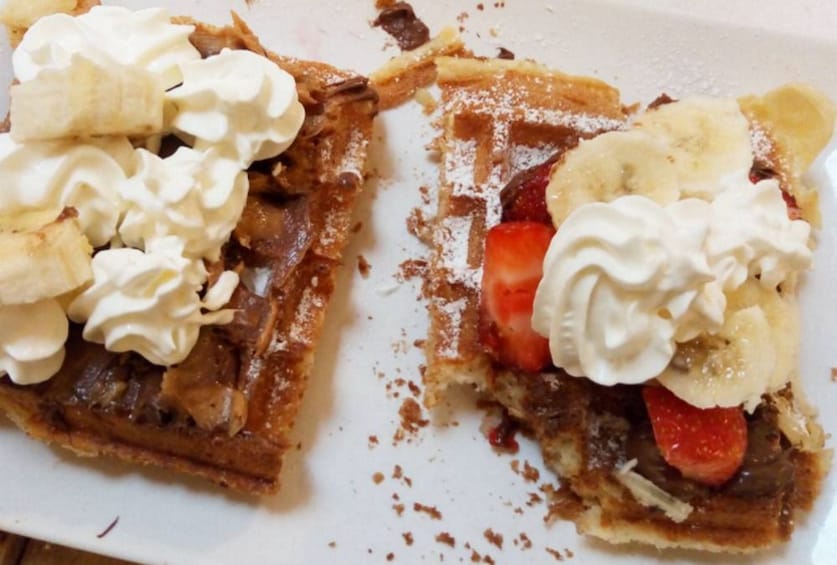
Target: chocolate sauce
400,21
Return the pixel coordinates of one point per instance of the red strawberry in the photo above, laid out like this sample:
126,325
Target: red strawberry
524,198
512,269
706,445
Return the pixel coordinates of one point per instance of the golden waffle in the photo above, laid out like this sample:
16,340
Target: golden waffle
500,118
226,412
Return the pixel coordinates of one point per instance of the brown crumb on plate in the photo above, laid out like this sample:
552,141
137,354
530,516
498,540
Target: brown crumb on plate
493,538
378,478
446,538
431,511
363,266
408,538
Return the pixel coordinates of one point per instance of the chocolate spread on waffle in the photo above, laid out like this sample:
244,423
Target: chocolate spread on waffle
224,413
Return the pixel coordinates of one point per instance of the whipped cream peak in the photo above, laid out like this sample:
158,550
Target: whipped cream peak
107,35
619,278
626,281
149,302
56,174
32,340
239,101
197,196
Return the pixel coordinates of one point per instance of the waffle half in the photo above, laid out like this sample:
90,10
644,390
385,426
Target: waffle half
226,412
499,119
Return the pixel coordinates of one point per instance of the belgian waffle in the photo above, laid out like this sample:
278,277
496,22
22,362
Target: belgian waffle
498,119
225,413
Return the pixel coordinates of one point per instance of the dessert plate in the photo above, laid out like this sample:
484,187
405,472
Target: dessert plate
333,504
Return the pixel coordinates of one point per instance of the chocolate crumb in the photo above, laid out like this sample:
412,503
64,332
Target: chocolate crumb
400,21
110,527
503,53
399,509
431,511
493,538
446,539
408,538
555,553
363,266
390,556
378,478
480,7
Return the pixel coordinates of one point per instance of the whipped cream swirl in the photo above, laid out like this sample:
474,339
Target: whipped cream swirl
238,101
619,279
32,340
193,195
625,281
149,302
107,34
55,174
751,235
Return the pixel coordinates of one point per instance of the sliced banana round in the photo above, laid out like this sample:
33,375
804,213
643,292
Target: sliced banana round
708,139
42,257
731,368
608,166
801,116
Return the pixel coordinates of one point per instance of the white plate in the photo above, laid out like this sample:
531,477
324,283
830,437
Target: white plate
328,493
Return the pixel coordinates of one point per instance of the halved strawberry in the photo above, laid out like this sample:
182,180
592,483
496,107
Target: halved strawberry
512,269
706,445
524,198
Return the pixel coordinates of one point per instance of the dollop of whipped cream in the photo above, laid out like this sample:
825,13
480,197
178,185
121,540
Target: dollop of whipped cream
55,174
196,196
240,102
149,302
32,340
107,34
625,281
620,278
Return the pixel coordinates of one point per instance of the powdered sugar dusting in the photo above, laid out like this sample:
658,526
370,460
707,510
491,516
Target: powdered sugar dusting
524,157
761,143
310,303
459,166
449,334
453,239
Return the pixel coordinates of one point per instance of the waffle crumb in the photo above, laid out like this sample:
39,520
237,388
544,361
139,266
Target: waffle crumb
525,542
363,266
555,553
408,537
426,100
390,556
399,509
493,538
378,478
446,538
431,511
530,473
332,544
411,416
834,374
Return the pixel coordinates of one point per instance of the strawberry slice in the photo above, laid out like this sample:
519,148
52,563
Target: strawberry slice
524,198
512,269
706,445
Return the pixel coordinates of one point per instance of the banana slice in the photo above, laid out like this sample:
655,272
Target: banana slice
87,99
800,116
23,13
731,368
608,166
42,257
708,138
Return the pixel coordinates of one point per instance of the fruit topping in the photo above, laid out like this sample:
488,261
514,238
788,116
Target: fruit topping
524,198
513,267
706,445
